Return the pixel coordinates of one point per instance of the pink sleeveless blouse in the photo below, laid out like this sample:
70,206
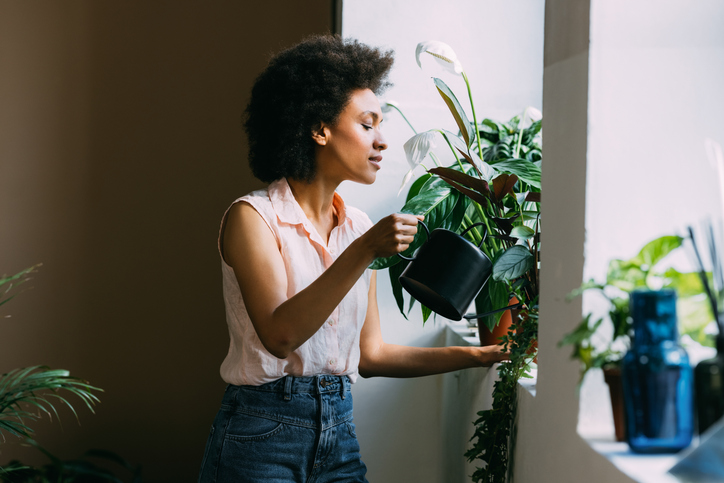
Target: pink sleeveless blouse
334,348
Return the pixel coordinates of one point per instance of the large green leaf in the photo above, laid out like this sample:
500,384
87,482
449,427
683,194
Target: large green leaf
513,263
524,169
416,185
456,109
654,251
686,284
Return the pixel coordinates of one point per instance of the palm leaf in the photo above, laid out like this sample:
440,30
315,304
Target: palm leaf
38,387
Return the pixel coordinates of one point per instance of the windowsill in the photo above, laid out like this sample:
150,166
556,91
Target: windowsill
641,467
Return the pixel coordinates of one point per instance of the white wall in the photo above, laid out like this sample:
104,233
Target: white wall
500,45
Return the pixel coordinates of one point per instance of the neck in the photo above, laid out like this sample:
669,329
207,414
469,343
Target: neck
315,198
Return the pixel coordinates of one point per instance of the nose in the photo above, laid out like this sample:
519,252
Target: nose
380,142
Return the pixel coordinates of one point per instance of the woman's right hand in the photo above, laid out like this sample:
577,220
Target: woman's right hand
391,235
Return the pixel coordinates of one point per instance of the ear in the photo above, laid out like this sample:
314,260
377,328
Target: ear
320,134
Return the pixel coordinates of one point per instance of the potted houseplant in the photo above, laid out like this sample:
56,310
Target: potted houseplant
494,183
28,393
597,347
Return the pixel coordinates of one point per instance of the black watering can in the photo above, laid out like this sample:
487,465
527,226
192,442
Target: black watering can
447,273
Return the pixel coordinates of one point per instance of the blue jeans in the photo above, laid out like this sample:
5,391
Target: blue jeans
295,429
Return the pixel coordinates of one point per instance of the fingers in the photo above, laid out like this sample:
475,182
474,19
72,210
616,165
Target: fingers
491,354
394,233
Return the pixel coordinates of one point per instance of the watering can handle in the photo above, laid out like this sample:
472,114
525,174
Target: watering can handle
485,235
479,316
428,237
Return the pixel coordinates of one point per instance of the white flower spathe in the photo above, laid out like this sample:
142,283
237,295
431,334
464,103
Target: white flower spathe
442,52
419,146
530,115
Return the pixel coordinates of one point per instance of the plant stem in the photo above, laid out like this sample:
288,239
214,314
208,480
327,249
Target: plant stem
434,159
452,149
403,117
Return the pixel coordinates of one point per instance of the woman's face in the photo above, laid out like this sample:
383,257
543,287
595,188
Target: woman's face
351,149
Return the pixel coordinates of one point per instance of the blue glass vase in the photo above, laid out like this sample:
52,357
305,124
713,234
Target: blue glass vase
657,378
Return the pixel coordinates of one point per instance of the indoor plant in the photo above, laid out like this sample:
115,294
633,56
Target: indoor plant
495,181
28,393
597,346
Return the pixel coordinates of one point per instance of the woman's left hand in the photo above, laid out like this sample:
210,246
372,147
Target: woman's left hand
490,354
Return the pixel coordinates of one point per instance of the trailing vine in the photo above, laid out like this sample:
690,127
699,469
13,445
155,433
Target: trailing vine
494,437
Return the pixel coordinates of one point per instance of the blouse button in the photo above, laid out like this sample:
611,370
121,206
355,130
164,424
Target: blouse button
330,322
332,362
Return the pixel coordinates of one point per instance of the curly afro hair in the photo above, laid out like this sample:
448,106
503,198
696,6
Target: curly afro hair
301,87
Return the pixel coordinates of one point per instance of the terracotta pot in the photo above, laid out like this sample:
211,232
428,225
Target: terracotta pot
506,320
612,376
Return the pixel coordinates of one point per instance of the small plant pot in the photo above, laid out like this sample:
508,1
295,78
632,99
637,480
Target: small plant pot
612,376
488,337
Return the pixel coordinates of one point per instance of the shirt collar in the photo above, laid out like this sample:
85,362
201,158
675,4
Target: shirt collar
288,210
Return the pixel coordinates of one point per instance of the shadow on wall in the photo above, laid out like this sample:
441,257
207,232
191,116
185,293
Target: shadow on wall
121,146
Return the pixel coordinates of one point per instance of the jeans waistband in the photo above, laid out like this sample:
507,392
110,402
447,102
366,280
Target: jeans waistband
288,385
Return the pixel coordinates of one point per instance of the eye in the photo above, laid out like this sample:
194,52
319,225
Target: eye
367,127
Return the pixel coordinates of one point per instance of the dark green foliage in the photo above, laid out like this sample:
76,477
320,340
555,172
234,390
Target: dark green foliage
89,468
495,426
28,393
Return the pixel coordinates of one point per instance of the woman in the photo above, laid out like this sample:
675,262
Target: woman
301,305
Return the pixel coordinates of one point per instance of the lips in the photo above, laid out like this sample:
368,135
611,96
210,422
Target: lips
376,161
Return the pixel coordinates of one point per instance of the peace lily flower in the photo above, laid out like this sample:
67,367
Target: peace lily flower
416,149
443,54
419,146
530,115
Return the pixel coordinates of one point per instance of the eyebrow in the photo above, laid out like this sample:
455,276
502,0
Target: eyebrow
373,114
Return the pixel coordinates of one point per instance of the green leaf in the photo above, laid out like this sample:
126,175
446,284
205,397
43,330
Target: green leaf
436,201
493,295
654,251
686,284
395,272
524,169
457,111
522,232
516,261
625,275
416,185
425,313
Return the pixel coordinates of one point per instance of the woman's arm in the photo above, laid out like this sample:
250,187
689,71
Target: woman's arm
283,324
378,358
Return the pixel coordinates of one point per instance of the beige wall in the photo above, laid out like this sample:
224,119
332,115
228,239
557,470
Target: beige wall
120,147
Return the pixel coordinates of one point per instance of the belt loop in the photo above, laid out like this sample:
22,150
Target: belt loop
342,381
288,388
